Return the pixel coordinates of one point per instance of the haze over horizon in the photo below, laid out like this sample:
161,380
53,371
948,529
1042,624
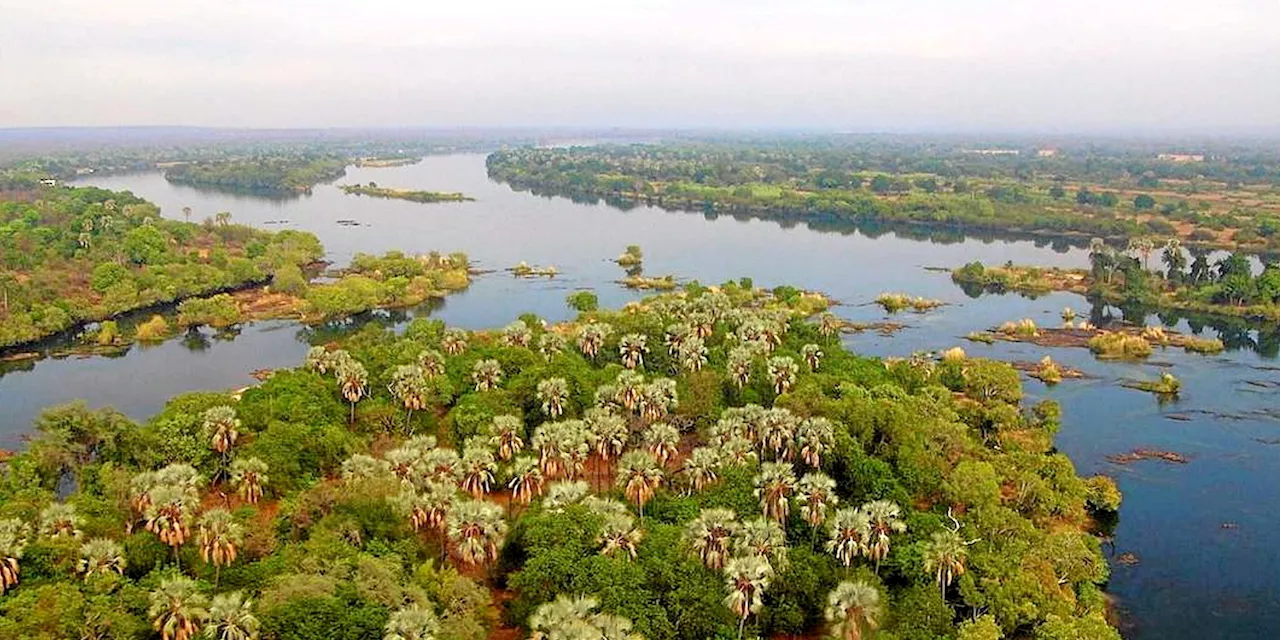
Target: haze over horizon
1176,66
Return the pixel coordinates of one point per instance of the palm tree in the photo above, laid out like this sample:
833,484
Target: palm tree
639,476
550,344
477,530
662,440
850,531
564,493
453,341
701,468
318,359
431,363
441,465
886,519
765,538
231,618
526,479
736,451
774,485
553,393
829,324
249,476
568,618
222,430
944,557
741,360
177,609
852,607
504,436
782,370
59,520
413,622
563,448
591,338
812,355
183,476
777,429
565,617
478,469
692,354
140,486
427,509
363,467
353,380
14,536
169,515
746,578
219,537
675,337
629,388
517,334
711,535
409,386
814,436
816,492
618,533
221,427
223,218
632,348
608,434
101,556
1174,260
658,398
186,214
487,374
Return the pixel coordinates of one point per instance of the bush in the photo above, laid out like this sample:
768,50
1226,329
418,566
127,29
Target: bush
1120,345
219,311
583,301
153,330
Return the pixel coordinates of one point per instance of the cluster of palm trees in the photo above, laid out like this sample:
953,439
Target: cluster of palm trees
569,618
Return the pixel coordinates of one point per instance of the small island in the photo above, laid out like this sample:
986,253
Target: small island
373,190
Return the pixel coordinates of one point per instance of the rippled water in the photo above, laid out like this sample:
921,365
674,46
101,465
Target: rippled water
1196,577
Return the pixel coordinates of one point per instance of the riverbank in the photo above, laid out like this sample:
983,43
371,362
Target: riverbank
977,278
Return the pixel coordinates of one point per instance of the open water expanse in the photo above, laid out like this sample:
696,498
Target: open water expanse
1204,533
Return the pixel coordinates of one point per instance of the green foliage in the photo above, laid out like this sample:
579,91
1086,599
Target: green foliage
583,301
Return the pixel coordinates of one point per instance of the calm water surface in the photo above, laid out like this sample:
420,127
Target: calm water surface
1196,577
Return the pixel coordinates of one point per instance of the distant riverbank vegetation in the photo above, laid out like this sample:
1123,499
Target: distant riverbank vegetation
277,174
71,256
707,463
1233,201
373,190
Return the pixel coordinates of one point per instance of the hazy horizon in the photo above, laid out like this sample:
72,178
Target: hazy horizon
930,66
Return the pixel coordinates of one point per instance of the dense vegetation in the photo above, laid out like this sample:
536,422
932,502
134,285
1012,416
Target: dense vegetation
373,190
68,256
280,174
1228,201
706,463
1189,281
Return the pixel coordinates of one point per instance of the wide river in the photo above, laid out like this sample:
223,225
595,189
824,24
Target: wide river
1204,533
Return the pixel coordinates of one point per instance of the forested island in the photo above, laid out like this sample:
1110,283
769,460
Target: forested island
374,191
270,174
707,463
75,255
1189,281
1232,201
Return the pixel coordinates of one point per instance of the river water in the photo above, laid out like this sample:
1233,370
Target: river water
1203,532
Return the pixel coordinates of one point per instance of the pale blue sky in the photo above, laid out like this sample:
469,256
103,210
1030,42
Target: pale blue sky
910,65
